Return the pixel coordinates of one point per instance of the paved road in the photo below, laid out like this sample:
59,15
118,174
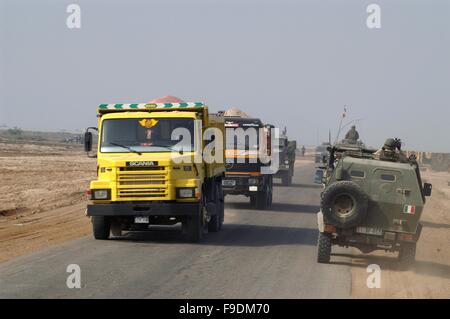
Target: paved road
258,254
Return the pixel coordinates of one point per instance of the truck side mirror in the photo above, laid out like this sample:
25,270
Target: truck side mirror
88,142
427,188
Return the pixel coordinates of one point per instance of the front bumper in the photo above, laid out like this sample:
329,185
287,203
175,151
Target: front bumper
143,209
241,185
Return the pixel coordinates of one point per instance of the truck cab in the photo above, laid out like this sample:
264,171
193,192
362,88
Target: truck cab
151,169
244,175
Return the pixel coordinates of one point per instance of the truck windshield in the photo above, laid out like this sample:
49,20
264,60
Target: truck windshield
144,135
246,139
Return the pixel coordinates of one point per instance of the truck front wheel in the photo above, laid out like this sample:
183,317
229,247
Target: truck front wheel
286,179
262,199
195,226
101,227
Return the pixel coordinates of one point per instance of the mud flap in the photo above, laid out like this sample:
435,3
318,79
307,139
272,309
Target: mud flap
320,223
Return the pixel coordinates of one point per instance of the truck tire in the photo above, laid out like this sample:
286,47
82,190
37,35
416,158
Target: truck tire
285,179
262,199
101,227
324,248
195,226
116,228
406,255
344,204
253,201
214,222
221,206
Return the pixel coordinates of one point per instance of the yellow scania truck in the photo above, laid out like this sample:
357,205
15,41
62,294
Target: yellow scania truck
152,168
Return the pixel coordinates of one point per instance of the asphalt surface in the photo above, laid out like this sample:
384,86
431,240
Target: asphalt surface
258,254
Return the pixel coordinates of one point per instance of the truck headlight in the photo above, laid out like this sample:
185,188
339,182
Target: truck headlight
100,194
185,192
253,181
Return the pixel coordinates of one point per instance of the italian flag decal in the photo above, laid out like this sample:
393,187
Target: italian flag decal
409,209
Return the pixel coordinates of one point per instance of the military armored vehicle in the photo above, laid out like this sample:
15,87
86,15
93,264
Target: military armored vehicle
287,152
371,200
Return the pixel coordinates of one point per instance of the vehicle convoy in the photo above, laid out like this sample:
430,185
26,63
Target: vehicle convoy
148,175
244,174
287,153
371,200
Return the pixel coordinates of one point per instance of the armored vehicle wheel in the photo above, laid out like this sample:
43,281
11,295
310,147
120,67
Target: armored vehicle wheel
344,204
324,248
101,227
407,255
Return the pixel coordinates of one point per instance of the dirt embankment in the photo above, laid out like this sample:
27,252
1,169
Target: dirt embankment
42,196
430,276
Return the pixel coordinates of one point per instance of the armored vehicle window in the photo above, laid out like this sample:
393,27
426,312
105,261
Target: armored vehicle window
358,174
388,177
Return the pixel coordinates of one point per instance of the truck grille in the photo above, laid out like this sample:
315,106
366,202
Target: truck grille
142,183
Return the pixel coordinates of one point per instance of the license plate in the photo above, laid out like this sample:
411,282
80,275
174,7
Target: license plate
141,220
369,231
253,188
228,182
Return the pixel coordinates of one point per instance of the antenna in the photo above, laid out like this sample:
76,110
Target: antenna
340,124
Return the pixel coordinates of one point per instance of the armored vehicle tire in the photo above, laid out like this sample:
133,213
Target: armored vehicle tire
101,227
195,226
324,248
344,204
406,255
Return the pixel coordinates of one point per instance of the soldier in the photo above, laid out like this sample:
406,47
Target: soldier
352,134
303,150
391,150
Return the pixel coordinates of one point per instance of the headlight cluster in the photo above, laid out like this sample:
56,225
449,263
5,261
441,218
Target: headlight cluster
253,181
100,194
186,192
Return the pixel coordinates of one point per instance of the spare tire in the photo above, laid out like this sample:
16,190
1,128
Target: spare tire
344,204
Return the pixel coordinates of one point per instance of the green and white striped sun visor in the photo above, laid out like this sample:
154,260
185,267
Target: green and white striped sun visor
148,106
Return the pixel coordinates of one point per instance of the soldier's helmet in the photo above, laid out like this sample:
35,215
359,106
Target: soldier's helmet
390,144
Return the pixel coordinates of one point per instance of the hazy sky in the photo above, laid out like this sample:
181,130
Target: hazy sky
291,63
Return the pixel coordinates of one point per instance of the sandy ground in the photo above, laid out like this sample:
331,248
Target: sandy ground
42,196
430,276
